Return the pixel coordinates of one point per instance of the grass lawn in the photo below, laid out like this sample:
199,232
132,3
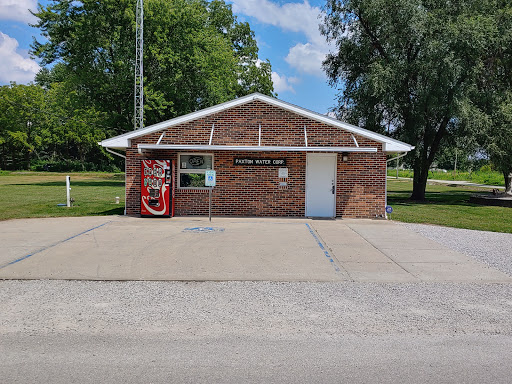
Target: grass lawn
36,194
477,177
447,205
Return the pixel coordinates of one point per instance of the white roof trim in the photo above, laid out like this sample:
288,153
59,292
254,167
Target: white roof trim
254,148
390,145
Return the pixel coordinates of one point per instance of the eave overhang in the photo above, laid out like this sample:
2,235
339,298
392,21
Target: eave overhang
252,148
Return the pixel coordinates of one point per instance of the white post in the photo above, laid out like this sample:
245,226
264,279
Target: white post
68,192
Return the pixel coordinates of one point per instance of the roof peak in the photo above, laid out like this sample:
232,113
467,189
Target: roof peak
123,141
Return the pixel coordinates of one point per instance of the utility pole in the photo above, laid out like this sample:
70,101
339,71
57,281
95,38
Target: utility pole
139,68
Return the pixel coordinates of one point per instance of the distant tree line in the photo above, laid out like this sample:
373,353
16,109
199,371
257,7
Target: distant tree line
196,54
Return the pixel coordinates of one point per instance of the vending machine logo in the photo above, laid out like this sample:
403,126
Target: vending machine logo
155,185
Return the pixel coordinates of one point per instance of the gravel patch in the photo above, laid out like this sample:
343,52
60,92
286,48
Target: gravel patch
254,309
491,248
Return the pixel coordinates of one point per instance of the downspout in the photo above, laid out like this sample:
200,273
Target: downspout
386,183
115,153
124,157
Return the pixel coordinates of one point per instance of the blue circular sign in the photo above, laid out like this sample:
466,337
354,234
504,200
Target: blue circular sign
389,209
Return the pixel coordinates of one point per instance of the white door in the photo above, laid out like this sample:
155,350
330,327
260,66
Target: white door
321,185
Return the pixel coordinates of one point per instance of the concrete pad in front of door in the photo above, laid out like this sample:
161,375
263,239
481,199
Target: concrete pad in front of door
129,248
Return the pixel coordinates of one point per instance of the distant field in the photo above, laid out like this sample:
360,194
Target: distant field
33,194
478,177
447,205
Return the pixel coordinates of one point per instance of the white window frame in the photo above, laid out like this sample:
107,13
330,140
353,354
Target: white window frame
200,171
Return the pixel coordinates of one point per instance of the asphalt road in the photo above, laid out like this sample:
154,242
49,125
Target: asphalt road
254,332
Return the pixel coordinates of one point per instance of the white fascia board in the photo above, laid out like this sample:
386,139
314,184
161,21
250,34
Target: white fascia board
254,148
115,143
397,147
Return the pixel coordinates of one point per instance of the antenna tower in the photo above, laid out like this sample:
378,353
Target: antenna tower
139,68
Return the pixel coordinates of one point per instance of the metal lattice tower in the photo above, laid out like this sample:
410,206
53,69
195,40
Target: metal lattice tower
139,68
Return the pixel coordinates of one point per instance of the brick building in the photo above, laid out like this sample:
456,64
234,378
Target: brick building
271,159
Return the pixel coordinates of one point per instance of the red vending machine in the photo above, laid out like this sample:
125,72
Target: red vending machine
155,189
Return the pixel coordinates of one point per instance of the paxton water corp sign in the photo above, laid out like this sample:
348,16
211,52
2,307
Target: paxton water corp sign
251,161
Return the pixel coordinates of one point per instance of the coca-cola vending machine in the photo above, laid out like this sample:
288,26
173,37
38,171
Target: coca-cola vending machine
155,189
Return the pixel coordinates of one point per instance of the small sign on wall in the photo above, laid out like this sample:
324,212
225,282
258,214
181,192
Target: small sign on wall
283,178
252,161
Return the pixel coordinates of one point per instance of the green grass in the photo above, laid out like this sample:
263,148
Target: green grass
447,205
478,177
36,194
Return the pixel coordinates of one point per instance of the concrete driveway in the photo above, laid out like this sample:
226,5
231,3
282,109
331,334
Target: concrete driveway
129,248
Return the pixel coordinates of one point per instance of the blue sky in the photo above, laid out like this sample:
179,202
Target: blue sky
286,31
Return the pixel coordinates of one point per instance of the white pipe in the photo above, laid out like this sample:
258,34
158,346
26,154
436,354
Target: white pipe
68,192
211,134
305,135
394,158
161,137
115,153
386,181
355,141
386,192
259,136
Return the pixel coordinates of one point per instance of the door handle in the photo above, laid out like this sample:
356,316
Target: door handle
333,190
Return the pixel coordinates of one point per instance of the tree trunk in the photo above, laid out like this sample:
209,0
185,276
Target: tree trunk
508,182
419,182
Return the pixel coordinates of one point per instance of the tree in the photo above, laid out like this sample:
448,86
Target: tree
47,125
72,130
196,54
487,112
403,67
21,119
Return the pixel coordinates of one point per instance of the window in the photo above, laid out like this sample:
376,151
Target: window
191,169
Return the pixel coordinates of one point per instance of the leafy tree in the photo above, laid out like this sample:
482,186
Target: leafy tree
72,130
47,125
21,118
488,111
404,66
196,54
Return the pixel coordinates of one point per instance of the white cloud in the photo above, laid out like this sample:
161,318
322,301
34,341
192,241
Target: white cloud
15,67
306,58
18,10
283,83
294,17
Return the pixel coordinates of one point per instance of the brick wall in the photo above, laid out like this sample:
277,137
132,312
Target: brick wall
255,190
361,185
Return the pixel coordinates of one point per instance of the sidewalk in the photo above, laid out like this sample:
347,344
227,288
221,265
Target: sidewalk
456,182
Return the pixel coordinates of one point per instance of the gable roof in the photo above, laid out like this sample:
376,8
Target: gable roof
389,144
